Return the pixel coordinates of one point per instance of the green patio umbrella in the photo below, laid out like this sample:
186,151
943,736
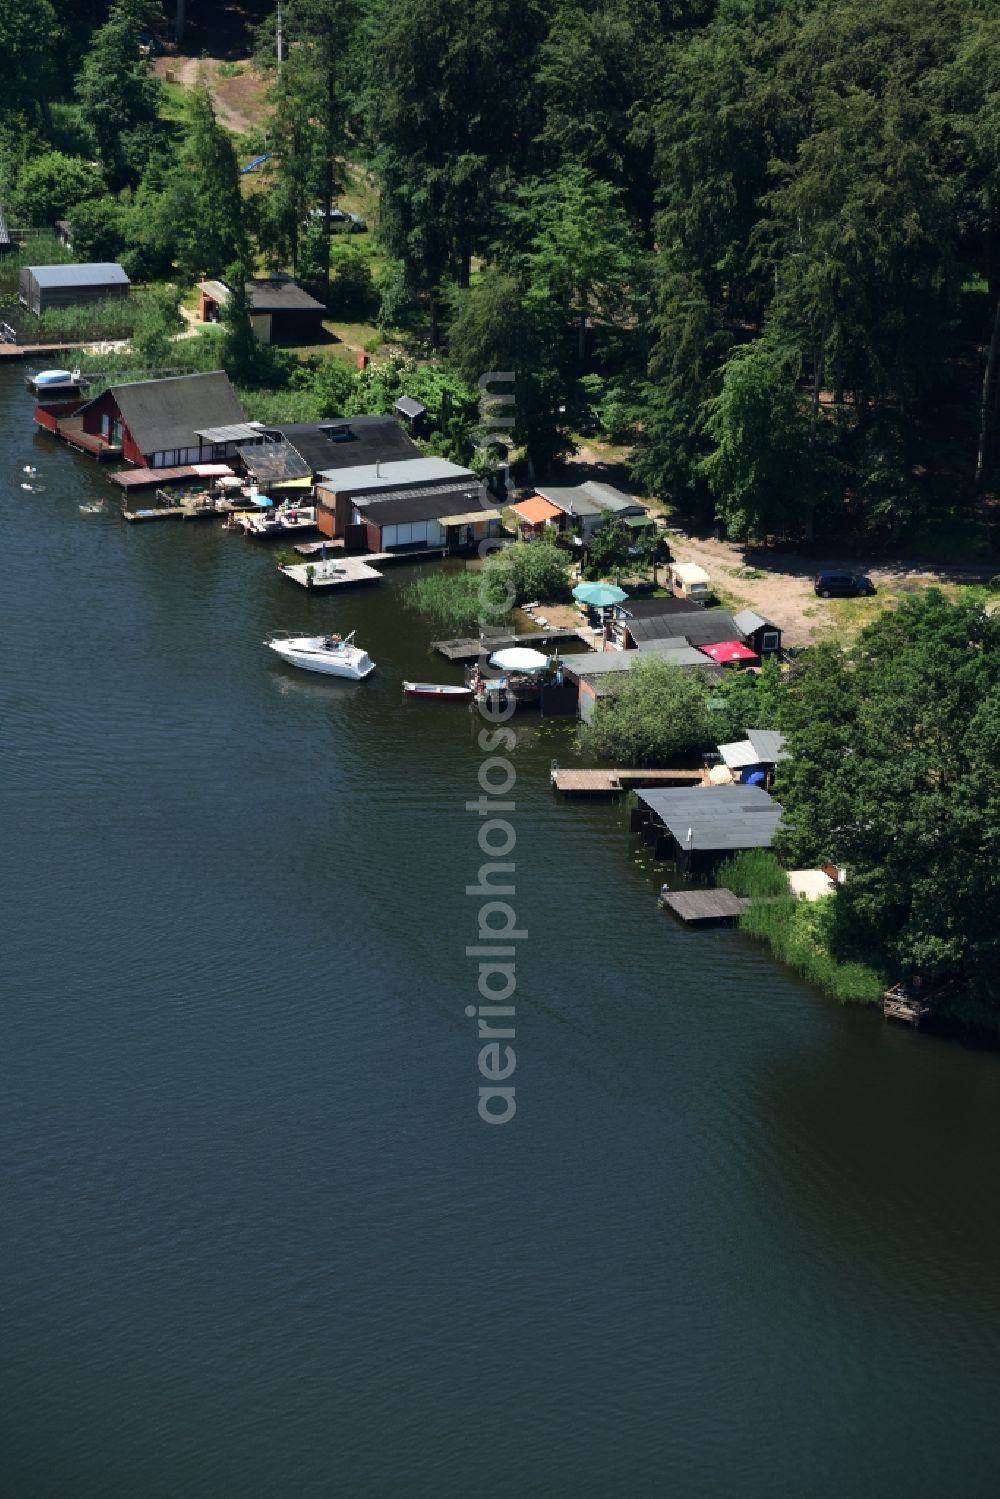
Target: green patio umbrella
599,595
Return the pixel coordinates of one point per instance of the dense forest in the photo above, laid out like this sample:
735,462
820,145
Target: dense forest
759,240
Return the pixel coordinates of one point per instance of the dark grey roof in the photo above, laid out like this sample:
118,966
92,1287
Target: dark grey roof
346,442
654,608
720,818
104,273
274,462
698,627
281,296
165,414
399,506
409,406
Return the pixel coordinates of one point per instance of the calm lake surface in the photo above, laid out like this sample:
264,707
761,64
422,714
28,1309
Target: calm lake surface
737,1241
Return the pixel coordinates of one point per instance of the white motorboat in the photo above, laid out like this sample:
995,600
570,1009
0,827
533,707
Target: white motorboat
329,654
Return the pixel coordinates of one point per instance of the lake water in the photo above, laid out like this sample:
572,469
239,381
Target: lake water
257,1242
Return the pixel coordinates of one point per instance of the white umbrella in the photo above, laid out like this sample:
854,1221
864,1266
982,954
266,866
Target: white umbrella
519,658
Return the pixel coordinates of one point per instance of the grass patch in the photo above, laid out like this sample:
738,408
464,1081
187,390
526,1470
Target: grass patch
453,599
798,932
755,872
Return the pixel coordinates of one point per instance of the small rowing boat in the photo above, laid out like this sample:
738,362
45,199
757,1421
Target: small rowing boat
435,689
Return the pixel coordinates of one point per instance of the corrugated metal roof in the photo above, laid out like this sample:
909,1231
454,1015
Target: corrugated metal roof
574,501
4,231
235,432
409,406
607,497
738,754
769,745
720,818
749,620
375,476
104,273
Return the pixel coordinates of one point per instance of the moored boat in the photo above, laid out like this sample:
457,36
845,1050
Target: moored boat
436,689
54,382
328,654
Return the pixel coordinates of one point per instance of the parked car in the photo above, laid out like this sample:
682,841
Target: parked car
834,585
347,223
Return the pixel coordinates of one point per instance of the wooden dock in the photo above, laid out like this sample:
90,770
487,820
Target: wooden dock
327,575
615,782
467,649
909,1009
702,906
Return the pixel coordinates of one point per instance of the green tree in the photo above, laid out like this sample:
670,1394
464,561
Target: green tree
119,97
449,114
528,570
890,775
242,355
51,186
653,712
29,45
578,253
311,123
608,549
157,320
206,194
99,229
493,329
759,434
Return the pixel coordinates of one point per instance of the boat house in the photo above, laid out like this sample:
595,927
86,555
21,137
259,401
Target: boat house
44,287
295,455
281,311
186,419
418,502
696,826
593,673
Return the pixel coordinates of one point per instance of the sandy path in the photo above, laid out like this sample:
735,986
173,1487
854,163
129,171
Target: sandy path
235,114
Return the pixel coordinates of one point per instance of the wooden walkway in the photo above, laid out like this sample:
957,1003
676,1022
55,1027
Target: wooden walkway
614,782
704,905
467,649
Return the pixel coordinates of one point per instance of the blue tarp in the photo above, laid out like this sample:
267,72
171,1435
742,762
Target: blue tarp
258,161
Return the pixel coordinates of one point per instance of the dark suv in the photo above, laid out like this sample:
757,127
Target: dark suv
833,585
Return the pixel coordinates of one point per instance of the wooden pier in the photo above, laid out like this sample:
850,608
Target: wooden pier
467,649
898,1003
326,575
704,906
615,782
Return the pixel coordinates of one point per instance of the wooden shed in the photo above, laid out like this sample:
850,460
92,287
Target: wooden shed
43,287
